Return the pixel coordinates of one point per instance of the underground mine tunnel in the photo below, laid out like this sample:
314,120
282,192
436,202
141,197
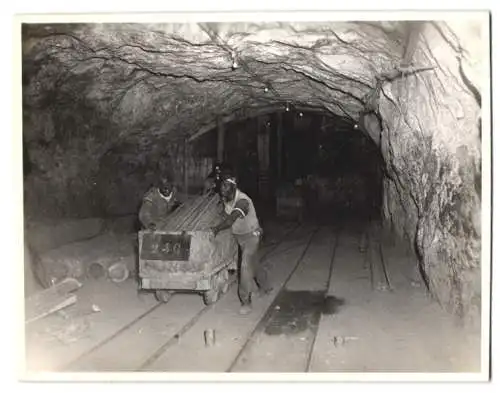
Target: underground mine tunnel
322,123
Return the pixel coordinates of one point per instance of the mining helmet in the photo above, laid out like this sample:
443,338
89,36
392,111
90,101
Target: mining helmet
228,187
229,178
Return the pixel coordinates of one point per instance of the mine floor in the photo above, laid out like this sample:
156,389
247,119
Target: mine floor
334,308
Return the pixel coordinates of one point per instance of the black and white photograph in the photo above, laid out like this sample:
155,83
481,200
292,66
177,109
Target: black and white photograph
256,194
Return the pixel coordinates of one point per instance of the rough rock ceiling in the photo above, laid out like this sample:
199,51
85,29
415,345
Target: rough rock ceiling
159,78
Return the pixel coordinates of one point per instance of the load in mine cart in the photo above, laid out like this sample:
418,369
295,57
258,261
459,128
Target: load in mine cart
181,254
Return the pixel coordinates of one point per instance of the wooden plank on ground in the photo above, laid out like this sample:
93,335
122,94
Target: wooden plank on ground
51,300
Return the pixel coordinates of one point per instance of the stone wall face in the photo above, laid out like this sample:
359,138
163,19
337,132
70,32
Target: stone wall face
434,164
78,184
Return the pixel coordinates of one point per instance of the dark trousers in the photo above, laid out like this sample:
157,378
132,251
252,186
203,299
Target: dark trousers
251,271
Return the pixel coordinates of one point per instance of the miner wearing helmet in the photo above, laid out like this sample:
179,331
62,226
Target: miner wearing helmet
158,202
240,215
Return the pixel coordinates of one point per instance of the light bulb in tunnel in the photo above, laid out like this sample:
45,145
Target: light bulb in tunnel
287,108
266,89
235,62
301,114
356,126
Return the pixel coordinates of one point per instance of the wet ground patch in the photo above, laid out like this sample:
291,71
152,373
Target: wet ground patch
295,311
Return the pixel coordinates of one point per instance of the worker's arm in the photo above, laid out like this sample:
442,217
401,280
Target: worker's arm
145,214
175,200
240,211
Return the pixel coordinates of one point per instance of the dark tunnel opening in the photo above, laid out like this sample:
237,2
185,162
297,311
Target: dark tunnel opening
304,165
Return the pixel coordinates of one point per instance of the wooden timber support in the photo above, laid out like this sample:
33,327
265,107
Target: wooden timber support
185,168
51,300
279,143
263,154
220,139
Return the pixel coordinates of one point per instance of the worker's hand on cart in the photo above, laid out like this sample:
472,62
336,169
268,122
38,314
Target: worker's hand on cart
213,232
152,226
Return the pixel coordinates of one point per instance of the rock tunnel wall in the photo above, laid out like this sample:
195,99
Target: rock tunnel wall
95,95
125,175
73,183
434,189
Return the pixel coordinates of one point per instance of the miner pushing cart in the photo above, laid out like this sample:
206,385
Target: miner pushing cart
180,253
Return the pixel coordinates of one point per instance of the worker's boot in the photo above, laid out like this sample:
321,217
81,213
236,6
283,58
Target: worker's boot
267,291
246,309
262,292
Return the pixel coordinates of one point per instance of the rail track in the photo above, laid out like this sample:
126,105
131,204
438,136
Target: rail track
249,340
262,323
305,354
267,252
374,261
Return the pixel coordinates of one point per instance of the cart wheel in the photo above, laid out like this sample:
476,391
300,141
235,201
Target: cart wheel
163,296
211,296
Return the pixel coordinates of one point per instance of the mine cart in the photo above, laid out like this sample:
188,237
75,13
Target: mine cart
181,254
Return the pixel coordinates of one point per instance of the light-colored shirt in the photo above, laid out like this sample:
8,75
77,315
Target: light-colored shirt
247,222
